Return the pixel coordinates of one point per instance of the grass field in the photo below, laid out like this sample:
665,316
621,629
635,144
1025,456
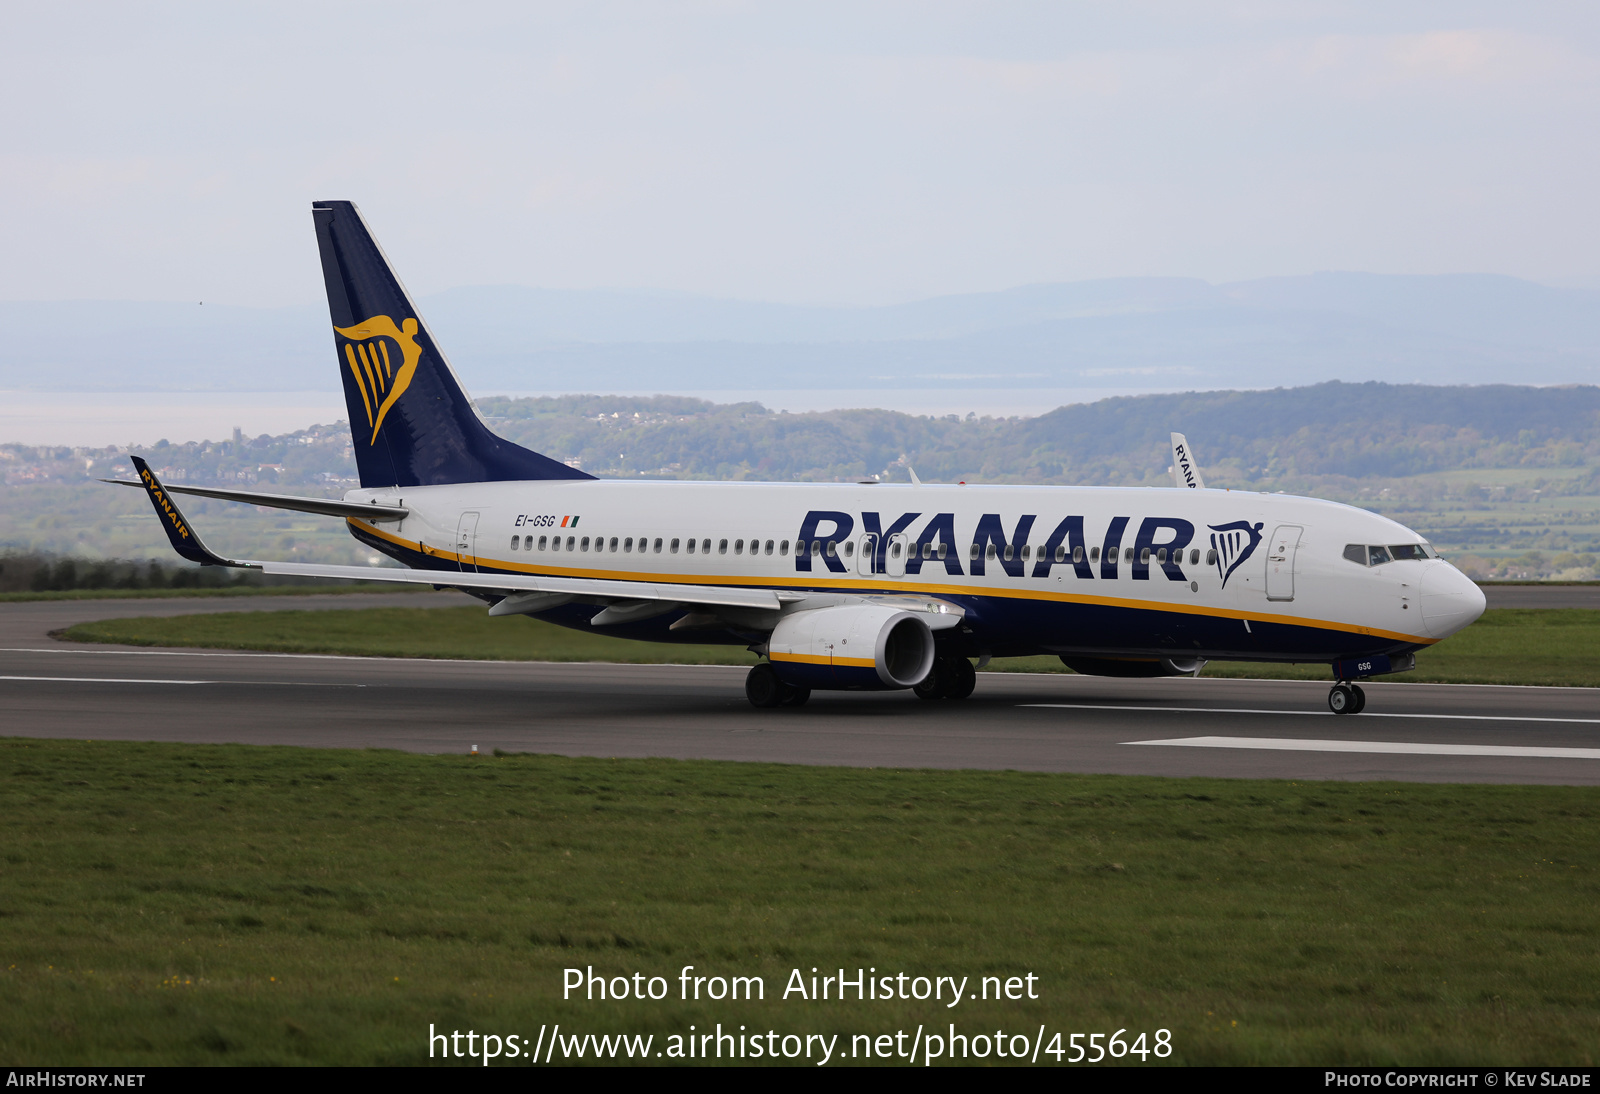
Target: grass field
1514,646
181,904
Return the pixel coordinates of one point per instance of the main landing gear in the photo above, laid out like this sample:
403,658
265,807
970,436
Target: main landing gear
950,678
1347,698
763,688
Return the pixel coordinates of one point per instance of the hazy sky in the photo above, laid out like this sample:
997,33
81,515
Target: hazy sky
851,152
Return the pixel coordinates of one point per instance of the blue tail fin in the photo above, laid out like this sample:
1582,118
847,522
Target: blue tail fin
410,421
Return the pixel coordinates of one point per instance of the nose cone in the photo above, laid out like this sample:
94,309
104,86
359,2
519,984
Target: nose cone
1450,600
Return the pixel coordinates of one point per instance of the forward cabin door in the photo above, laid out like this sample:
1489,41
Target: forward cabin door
1280,561
466,542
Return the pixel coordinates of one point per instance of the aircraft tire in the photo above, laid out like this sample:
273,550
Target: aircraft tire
794,696
931,686
962,680
1342,699
1361,698
763,688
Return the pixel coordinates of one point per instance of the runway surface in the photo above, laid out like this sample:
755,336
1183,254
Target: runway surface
1177,727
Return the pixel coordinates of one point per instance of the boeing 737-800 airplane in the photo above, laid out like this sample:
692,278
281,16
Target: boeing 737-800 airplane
842,586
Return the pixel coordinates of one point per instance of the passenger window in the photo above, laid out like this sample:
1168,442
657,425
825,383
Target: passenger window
1127,555
927,550
516,541
783,547
570,541
1211,557
613,544
816,547
658,545
541,543
627,545
988,552
1161,555
1077,553
894,549
943,548
722,547
738,546
1194,557
769,546
690,546
1356,552
585,544
1144,557
972,552
833,549
1094,554
1008,551
1377,556
705,546
555,543
849,549
674,546
1025,552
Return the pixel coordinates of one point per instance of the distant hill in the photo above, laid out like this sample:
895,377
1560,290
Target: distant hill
1123,333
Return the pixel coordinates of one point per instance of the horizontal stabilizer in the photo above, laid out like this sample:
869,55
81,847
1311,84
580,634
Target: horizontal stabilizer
327,507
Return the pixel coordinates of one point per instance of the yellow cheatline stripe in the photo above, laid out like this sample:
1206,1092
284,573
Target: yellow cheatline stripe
921,589
355,370
824,659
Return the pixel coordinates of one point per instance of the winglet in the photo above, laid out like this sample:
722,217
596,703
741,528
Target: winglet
184,538
1185,472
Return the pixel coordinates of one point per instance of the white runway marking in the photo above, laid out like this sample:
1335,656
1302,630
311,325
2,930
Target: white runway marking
1287,744
1316,713
102,680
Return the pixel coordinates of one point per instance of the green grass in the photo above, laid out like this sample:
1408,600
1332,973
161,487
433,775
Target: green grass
401,632
1507,646
321,589
172,904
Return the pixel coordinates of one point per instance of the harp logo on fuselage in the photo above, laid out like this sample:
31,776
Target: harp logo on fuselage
383,359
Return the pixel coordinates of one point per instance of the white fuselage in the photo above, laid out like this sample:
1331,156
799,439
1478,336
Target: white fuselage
1255,575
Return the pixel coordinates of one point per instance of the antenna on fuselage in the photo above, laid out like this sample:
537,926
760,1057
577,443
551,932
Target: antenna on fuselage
1185,471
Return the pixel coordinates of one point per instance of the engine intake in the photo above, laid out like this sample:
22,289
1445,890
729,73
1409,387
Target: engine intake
853,646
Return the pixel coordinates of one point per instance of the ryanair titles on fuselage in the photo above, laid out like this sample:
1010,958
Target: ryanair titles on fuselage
1158,541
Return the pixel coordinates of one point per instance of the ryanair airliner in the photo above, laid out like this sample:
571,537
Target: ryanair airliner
842,586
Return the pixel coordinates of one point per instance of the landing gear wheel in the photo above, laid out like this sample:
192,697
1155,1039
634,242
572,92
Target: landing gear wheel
1342,699
932,685
794,695
1361,699
962,680
763,688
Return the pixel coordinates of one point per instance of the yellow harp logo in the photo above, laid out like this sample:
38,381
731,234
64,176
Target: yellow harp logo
381,379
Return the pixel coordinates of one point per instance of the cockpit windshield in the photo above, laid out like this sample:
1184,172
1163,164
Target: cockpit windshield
1376,554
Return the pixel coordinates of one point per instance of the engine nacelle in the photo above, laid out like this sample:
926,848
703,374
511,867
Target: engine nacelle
853,646
1134,666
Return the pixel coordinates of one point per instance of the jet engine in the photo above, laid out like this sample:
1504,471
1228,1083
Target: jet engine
852,646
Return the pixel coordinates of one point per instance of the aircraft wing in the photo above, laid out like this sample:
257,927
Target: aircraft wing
186,541
327,507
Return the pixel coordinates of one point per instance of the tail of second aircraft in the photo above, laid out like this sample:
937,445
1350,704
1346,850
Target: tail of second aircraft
410,421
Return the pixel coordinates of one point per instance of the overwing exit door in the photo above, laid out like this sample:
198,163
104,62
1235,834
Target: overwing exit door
466,542
1281,550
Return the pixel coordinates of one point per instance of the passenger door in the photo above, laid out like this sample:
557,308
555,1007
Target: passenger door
1281,549
466,543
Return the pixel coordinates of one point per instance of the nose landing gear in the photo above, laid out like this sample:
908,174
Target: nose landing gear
1346,698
